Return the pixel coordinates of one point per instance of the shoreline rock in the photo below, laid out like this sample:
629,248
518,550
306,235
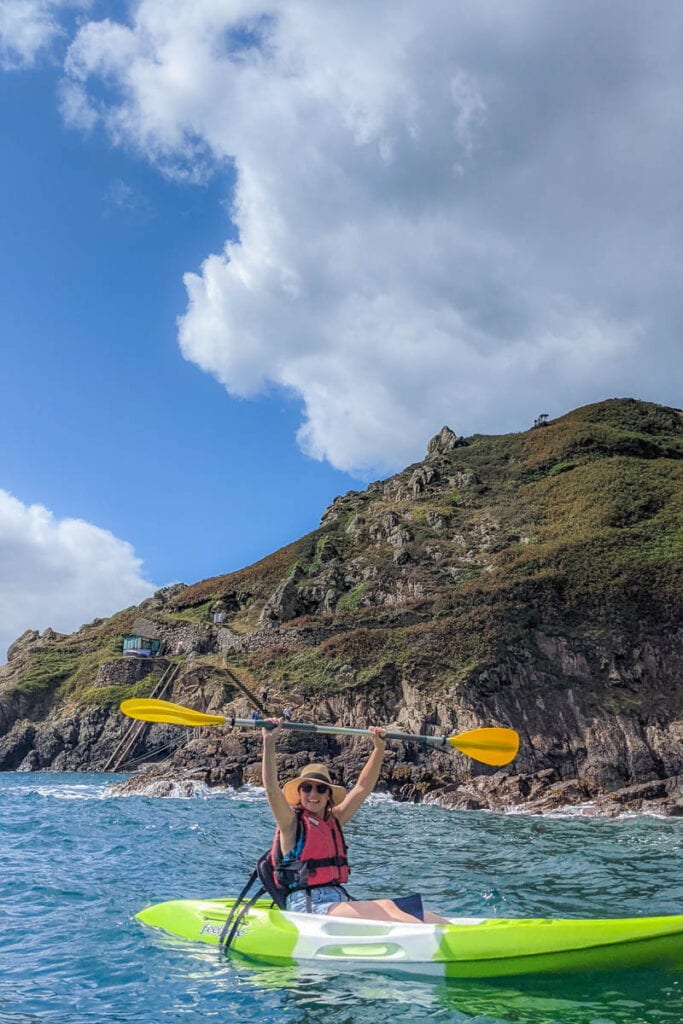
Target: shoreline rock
541,793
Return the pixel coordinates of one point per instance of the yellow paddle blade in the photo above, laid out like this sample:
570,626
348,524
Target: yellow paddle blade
490,746
150,710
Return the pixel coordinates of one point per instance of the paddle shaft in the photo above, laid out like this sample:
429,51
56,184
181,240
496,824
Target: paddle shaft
493,745
340,730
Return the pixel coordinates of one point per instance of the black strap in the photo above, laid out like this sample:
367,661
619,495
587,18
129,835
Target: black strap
263,873
227,940
233,910
326,862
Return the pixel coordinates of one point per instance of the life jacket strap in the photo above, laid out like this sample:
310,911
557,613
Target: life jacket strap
326,862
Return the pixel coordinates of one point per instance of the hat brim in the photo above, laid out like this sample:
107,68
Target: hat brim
290,790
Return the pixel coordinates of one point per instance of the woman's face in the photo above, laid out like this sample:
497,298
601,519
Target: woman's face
314,797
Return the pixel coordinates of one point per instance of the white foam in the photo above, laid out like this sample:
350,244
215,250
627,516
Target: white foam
588,809
73,792
381,798
187,789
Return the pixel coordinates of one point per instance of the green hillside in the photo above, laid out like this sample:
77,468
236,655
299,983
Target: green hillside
576,524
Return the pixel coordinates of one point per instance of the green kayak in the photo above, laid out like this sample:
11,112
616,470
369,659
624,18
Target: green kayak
467,947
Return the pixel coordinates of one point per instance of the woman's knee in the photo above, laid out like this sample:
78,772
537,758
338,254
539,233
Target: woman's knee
369,909
387,910
377,910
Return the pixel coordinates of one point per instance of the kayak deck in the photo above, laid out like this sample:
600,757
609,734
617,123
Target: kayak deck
464,948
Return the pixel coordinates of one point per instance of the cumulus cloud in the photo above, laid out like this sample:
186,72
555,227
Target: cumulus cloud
60,572
457,213
29,27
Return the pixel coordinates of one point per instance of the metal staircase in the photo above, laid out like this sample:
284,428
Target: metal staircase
136,730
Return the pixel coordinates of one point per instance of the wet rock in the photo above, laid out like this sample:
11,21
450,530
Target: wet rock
567,793
16,745
457,798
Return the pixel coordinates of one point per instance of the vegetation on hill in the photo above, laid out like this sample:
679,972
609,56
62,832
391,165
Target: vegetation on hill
577,524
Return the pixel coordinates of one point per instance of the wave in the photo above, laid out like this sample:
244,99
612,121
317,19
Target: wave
66,792
589,809
185,789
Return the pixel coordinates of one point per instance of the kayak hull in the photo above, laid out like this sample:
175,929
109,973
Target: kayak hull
465,948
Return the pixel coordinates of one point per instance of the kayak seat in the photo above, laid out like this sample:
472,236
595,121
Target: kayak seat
266,876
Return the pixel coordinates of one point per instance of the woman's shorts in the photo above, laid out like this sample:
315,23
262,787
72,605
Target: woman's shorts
322,898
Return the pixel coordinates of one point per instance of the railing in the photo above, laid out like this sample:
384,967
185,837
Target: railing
254,701
135,731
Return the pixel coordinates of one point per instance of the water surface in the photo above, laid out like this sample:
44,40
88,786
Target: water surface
78,863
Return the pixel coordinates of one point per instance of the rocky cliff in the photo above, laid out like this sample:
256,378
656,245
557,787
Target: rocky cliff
530,580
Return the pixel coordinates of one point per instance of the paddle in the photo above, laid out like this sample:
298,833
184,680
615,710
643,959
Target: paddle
494,746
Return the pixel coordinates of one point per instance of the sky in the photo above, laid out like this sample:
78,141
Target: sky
255,255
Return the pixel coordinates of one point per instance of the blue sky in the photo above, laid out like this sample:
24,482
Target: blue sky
104,419
256,255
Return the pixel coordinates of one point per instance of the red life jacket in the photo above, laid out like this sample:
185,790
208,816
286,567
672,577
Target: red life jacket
318,856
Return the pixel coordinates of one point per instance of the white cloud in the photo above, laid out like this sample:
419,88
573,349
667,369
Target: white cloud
60,572
29,27
446,212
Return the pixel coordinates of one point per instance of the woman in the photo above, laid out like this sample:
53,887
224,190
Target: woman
309,851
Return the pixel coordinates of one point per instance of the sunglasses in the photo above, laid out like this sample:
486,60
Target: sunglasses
307,787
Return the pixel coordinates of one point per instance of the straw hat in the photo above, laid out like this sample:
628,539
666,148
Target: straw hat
312,773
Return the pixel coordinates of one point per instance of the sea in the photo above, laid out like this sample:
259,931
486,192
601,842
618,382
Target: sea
77,862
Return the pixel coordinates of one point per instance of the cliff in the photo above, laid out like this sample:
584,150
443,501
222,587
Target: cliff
530,580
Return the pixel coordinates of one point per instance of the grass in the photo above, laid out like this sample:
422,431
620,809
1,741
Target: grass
111,696
352,599
196,613
47,670
325,551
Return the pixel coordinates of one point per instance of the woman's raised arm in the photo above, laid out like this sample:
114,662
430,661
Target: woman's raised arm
367,780
284,815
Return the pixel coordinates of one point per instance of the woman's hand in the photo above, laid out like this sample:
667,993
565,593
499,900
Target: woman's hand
270,736
367,780
377,737
282,812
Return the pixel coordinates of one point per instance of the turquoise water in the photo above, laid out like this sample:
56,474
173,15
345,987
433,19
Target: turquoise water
78,863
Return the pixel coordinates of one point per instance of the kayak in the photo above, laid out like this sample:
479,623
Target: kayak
466,947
